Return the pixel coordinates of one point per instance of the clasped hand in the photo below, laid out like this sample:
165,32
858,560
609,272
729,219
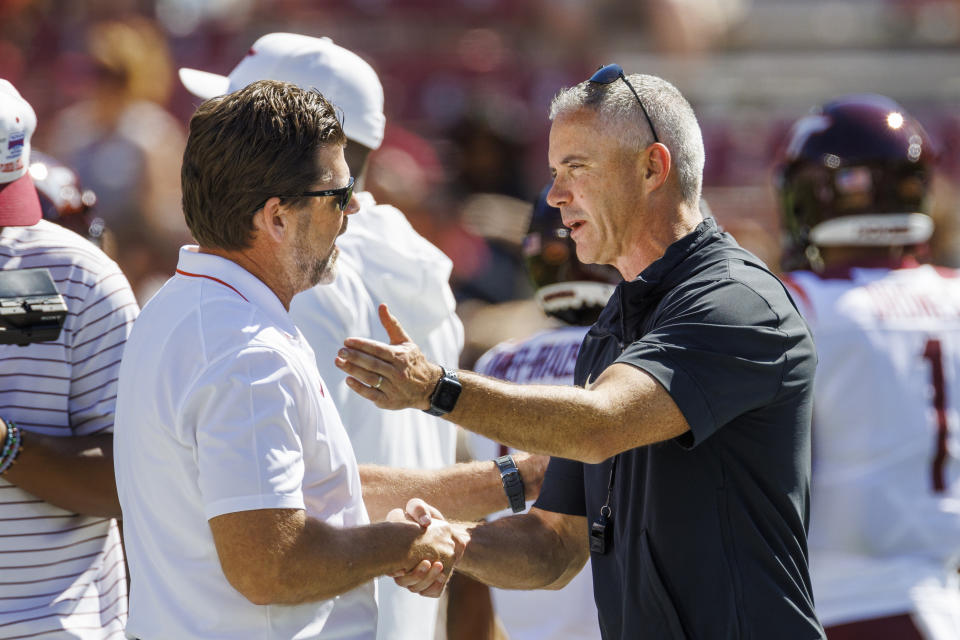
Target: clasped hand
435,553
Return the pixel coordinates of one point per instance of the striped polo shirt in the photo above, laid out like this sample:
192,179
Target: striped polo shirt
59,570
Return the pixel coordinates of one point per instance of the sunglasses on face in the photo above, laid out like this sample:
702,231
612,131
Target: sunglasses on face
609,73
344,194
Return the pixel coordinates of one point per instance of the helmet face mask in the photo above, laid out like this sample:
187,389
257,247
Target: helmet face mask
854,173
566,289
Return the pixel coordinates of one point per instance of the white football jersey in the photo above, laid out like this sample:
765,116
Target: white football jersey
885,513
547,357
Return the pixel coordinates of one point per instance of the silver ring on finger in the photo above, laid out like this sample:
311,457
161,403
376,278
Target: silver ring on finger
379,382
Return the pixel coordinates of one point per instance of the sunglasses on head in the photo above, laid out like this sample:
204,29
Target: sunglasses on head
609,73
343,193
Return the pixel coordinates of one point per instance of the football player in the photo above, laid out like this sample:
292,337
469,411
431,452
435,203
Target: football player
854,183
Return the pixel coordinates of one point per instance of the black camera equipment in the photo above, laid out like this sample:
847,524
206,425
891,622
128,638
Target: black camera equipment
31,308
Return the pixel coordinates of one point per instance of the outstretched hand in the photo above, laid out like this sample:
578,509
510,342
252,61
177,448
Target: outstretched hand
392,376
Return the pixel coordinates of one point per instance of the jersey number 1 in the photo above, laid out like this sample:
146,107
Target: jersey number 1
933,352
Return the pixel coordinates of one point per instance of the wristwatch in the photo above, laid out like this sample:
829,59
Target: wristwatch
512,483
445,394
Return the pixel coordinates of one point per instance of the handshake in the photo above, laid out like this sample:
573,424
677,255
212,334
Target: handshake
434,553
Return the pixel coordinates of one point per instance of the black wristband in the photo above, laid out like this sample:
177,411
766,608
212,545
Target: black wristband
512,483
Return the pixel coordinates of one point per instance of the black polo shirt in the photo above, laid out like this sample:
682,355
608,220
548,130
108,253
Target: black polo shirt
709,529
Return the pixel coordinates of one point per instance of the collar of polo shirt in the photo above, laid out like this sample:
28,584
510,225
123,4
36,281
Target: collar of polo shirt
234,280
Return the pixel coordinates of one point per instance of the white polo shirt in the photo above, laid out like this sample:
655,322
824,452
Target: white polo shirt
383,259
221,409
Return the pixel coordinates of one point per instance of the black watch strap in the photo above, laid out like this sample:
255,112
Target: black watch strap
512,483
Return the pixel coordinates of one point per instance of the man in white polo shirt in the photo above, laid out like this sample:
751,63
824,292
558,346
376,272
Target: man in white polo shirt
242,505
382,259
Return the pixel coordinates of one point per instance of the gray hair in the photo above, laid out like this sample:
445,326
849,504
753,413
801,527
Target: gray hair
671,115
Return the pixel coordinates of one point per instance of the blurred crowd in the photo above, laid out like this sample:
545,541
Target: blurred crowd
467,85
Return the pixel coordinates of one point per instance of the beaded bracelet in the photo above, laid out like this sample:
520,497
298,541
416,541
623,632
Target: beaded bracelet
8,440
12,447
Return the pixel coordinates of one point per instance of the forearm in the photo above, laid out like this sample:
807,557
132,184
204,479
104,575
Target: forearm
525,552
466,491
280,556
327,561
624,408
284,557
73,473
561,421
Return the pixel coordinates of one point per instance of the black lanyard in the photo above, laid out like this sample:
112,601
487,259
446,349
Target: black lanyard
601,536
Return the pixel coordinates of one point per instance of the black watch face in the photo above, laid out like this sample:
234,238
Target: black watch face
446,395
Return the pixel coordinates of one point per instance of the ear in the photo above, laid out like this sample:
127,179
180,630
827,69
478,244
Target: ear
273,221
656,166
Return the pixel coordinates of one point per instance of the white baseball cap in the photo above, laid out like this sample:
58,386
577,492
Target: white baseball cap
342,76
19,203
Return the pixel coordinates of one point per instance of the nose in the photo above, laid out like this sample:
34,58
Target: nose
353,206
558,196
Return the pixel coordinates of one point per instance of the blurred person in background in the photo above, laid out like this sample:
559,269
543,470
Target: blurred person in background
572,293
382,259
487,172
854,183
127,147
64,200
487,158
62,570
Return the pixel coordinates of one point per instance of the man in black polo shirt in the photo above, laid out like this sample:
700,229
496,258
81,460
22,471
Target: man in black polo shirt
683,455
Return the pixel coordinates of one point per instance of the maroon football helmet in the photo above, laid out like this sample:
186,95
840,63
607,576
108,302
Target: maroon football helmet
63,199
854,172
566,288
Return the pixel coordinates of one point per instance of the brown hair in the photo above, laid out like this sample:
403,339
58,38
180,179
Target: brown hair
246,147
